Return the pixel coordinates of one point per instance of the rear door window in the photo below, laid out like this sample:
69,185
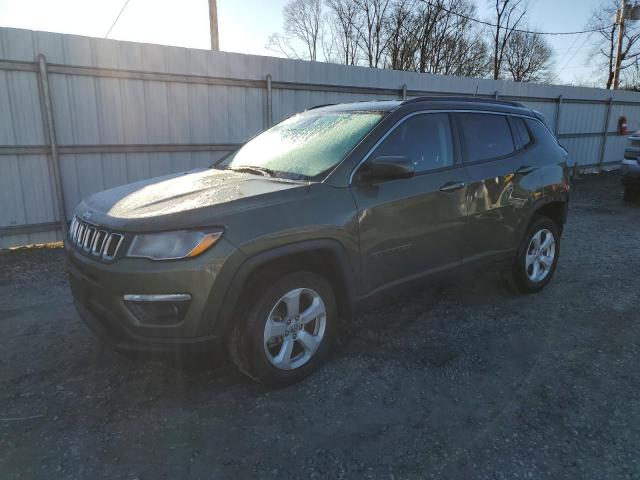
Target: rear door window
486,136
425,139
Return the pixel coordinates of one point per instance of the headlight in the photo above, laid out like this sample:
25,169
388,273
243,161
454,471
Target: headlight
172,245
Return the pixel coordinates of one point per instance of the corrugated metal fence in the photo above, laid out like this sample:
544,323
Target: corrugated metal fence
79,114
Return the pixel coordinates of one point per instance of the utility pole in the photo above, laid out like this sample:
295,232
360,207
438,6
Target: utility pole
213,24
625,12
620,17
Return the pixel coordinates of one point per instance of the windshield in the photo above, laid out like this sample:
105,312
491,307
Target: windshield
305,145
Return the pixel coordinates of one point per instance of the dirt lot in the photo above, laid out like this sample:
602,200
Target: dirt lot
467,381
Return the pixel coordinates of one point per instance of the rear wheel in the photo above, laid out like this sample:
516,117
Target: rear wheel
287,329
537,257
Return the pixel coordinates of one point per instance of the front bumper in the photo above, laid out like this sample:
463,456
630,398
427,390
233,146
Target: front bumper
98,290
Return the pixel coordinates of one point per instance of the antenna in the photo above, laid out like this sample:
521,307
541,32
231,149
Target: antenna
475,94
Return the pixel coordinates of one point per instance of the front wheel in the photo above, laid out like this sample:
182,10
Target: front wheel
287,329
537,257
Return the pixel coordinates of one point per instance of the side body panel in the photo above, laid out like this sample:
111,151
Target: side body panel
409,228
503,193
497,198
413,227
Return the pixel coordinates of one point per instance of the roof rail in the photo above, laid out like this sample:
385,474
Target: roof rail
320,106
463,99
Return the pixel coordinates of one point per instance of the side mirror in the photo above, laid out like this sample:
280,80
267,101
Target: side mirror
389,168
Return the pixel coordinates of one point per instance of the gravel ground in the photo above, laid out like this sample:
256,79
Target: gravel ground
464,381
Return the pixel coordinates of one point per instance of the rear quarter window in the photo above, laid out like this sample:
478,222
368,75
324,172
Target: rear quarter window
541,133
486,136
521,130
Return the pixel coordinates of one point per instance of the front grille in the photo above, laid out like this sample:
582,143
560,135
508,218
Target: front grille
94,241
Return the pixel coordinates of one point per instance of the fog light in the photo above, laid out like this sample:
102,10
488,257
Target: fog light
164,309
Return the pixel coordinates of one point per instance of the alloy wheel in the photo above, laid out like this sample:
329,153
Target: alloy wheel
295,328
541,253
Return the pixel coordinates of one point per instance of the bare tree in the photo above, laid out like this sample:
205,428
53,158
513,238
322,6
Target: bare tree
508,15
401,39
528,57
632,77
282,44
450,42
427,18
465,56
436,36
302,23
343,18
605,47
371,35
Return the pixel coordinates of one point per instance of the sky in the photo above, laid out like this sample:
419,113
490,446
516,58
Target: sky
245,25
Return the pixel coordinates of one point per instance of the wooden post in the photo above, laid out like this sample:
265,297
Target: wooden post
213,24
616,71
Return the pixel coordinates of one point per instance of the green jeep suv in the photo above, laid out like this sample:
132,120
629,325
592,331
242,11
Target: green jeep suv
270,249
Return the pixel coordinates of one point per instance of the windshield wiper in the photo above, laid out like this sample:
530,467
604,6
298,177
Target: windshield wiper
267,172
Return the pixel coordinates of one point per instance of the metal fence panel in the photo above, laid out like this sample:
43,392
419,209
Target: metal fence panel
22,88
26,197
584,151
581,118
11,196
615,145
7,135
548,109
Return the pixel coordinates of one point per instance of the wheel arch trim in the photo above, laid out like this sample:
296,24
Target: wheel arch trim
538,204
250,265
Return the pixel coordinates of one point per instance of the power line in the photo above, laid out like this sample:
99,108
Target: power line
568,52
489,24
580,47
117,18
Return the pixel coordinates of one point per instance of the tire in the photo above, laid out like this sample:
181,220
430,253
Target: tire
261,352
532,254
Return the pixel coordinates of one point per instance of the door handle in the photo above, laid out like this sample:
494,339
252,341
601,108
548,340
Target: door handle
525,170
452,186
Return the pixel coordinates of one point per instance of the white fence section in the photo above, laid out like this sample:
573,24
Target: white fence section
79,114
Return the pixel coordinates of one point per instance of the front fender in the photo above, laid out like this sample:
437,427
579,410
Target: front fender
324,246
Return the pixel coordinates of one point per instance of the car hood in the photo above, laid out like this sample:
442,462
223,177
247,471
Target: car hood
185,200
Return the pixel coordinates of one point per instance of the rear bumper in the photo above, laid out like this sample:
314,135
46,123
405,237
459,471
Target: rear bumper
98,290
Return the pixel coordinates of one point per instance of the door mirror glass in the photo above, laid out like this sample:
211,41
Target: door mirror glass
389,168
